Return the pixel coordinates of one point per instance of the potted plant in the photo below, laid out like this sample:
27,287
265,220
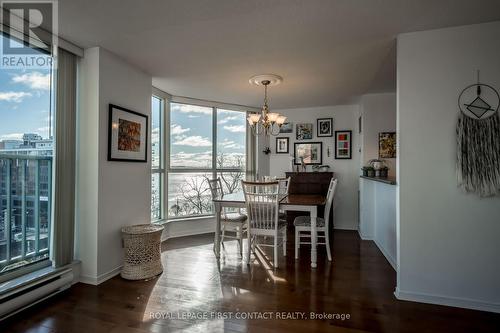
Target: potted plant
368,171
384,172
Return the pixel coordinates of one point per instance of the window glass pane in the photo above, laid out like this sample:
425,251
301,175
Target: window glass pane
231,137
231,181
156,196
156,109
189,194
190,136
26,150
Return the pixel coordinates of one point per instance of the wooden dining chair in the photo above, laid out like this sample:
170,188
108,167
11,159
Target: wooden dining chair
303,224
262,201
233,222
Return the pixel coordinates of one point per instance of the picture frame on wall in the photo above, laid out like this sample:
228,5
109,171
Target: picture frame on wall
127,135
311,152
387,145
325,127
343,145
282,145
304,131
287,127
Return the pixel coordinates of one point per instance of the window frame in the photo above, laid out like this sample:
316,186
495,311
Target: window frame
163,151
166,169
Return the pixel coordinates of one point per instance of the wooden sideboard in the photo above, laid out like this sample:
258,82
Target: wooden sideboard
309,183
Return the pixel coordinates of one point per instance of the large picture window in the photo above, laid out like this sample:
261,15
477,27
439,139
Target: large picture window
26,168
205,143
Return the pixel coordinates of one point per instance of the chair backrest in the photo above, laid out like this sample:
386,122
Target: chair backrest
216,188
262,201
284,186
329,199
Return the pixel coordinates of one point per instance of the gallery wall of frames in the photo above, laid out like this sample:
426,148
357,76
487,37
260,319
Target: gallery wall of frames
322,139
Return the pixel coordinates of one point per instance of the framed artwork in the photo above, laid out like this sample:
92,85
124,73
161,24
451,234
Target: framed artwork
282,145
325,127
310,152
360,125
387,145
304,131
127,135
343,145
286,127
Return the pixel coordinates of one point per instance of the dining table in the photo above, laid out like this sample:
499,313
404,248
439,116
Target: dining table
307,203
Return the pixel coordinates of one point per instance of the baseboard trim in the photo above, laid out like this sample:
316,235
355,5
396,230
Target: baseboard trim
363,236
101,278
351,228
389,258
447,301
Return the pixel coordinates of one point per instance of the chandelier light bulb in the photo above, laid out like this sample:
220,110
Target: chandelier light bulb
253,119
272,116
281,120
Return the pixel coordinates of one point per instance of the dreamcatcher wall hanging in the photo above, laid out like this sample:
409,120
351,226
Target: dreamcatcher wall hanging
478,140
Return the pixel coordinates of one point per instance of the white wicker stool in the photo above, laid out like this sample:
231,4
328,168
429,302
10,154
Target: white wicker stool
142,244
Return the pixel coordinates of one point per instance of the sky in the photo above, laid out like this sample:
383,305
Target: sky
191,135
24,102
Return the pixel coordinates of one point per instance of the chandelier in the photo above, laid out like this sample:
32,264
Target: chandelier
265,122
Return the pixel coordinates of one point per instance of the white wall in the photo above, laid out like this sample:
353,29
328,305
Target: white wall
345,117
120,192
448,244
379,115
87,158
263,160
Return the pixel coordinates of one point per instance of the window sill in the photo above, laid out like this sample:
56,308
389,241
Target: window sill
184,219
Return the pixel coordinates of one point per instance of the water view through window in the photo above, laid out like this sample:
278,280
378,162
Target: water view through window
192,162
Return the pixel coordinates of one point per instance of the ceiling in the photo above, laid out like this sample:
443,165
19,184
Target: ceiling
328,51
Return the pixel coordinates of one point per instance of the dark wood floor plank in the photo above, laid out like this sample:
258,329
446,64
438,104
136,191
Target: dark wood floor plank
359,282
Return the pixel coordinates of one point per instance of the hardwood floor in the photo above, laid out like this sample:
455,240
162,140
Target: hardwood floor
359,282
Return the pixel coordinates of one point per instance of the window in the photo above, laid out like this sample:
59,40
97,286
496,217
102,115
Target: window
26,150
205,143
158,171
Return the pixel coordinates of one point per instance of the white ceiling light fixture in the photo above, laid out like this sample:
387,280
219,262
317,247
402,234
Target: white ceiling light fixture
267,123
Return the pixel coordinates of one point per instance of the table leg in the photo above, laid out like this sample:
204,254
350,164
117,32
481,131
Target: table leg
314,239
218,209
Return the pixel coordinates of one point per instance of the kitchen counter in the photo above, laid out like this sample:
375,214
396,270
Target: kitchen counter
385,180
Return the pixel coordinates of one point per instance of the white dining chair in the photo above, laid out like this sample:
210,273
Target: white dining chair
233,222
284,186
303,224
262,201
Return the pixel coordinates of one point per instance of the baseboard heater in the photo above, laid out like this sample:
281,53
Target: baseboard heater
33,292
